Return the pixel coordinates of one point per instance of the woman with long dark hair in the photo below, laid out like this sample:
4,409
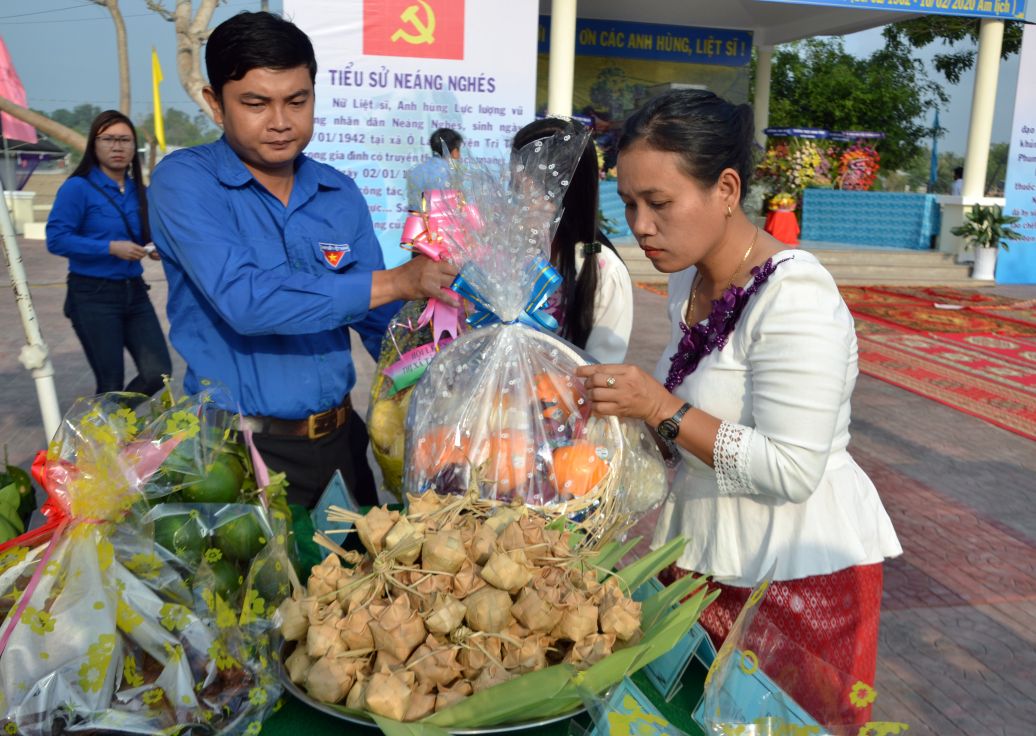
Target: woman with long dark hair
99,222
594,305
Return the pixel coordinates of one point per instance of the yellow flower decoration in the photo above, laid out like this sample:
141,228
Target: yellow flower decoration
129,672
53,568
173,616
749,662
11,728
278,705
145,565
126,420
757,594
219,653
253,728
105,553
174,652
126,618
213,555
225,615
729,729
154,696
11,557
91,677
182,421
40,622
257,696
862,694
253,608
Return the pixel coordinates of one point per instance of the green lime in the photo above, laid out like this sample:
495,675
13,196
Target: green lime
227,578
7,530
241,538
221,483
182,535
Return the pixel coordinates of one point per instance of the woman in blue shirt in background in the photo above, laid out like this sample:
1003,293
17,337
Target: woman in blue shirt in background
99,222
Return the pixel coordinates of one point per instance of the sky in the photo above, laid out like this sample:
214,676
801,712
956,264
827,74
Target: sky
64,52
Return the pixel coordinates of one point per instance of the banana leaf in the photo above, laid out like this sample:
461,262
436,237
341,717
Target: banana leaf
656,606
636,574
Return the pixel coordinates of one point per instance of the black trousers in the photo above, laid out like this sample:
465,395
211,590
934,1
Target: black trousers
109,316
310,464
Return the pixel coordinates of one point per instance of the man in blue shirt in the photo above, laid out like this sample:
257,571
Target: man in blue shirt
434,172
271,258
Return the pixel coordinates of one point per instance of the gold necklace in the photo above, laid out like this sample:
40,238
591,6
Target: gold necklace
697,276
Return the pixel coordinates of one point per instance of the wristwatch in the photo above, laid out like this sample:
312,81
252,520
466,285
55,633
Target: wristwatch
669,429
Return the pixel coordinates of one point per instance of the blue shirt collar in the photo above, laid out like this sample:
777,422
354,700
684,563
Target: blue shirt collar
232,172
99,177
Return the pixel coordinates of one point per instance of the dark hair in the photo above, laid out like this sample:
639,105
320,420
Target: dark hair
258,40
101,123
958,173
709,133
578,228
445,137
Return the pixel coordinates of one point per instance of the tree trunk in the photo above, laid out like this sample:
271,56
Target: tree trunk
121,45
55,130
191,34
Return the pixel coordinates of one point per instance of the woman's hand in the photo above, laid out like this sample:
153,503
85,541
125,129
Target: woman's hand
627,391
152,252
126,250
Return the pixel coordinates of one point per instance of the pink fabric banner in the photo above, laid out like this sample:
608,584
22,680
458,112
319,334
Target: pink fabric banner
11,88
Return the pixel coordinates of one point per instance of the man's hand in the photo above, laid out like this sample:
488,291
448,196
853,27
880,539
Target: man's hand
419,278
126,250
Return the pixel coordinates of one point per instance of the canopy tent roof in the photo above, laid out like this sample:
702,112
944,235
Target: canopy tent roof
771,23
44,146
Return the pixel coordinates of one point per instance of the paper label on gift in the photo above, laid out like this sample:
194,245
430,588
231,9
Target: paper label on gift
751,697
629,711
336,494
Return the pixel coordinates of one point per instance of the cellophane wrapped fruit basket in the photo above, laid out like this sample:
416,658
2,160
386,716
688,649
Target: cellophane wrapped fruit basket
145,604
500,410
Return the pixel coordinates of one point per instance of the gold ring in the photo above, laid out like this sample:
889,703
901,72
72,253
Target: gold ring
610,382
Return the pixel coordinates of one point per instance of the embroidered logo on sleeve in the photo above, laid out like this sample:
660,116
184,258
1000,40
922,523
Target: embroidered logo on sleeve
333,252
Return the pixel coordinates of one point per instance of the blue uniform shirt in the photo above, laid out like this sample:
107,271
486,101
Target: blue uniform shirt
260,293
82,223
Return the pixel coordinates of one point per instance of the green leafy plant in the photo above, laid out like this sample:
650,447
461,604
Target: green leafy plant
987,227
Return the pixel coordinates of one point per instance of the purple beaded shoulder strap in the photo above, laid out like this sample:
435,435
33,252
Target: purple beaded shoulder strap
706,336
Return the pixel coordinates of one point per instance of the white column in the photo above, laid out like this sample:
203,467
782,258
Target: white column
561,71
762,92
980,130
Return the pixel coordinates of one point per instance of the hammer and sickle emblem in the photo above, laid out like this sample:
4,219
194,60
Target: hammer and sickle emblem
425,28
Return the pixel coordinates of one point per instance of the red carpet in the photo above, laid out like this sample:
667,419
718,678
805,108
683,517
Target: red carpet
979,358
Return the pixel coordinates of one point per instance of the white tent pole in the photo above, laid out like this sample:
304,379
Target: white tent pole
762,92
980,130
34,354
561,70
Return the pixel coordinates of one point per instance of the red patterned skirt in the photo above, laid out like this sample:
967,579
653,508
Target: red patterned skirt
829,637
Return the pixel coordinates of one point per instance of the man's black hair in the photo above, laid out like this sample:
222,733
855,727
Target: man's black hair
958,173
255,41
445,137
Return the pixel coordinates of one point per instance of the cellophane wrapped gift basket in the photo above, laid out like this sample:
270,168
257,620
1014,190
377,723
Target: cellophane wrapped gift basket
492,600
501,410
144,604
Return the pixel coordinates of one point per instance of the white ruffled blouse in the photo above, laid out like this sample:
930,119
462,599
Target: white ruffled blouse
784,491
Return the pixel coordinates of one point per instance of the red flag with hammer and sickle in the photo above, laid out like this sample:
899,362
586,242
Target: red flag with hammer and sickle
426,29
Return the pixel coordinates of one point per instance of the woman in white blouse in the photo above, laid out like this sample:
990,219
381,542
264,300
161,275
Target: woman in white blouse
594,306
753,393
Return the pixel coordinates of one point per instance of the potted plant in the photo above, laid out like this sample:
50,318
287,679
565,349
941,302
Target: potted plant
986,229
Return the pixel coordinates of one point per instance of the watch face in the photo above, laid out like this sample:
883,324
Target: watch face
668,429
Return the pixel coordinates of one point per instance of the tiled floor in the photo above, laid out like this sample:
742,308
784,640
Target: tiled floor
958,640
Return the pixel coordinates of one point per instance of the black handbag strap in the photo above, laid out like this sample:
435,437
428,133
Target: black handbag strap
125,220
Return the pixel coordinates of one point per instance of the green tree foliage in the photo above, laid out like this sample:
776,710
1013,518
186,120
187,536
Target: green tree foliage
78,118
180,128
951,30
815,83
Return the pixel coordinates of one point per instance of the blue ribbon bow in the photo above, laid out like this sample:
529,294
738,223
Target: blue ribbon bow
546,282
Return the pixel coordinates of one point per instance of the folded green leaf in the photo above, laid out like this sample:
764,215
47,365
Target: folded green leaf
509,701
611,555
390,727
656,605
652,563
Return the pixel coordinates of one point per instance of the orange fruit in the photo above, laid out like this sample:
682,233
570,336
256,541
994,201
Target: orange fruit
578,468
560,396
438,447
511,459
